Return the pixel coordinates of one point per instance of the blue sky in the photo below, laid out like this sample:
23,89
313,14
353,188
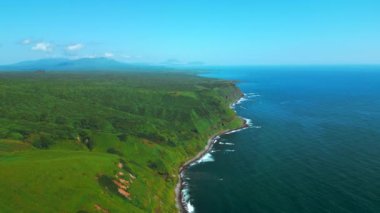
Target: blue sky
214,32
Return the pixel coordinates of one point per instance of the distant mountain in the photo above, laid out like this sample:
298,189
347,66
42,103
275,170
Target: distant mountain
172,62
83,64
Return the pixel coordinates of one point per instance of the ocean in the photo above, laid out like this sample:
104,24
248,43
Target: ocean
313,144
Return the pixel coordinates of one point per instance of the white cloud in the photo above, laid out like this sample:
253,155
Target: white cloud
26,42
74,47
108,55
43,46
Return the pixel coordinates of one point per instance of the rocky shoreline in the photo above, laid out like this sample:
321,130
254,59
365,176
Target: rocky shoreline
180,203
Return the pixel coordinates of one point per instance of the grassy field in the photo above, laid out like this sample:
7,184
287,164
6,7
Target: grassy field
104,142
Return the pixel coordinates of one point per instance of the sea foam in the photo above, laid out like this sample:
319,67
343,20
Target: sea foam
233,131
248,121
252,95
186,199
206,158
241,100
226,143
189,207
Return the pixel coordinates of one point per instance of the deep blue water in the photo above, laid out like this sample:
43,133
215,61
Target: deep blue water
313,146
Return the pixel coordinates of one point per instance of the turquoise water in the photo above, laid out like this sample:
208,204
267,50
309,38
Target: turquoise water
313,145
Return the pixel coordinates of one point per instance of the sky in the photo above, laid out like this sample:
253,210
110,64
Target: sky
223,32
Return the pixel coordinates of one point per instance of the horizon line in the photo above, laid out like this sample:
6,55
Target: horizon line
188,64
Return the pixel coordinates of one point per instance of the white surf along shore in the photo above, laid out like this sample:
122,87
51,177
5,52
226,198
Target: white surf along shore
182,191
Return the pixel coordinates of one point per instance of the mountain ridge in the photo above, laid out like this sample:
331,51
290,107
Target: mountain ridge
81,64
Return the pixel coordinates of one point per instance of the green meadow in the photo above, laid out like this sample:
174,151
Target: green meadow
104,142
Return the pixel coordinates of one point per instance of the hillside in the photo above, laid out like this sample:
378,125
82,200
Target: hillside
105,142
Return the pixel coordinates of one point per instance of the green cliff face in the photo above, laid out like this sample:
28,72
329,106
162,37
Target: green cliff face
104,142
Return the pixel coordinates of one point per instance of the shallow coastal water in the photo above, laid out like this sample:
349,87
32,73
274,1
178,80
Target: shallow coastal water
313,144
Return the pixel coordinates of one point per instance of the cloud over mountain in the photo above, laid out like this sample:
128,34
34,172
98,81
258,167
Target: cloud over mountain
75,47
43,46
108,55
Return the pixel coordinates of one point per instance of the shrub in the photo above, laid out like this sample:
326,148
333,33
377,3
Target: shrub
112,150
43,141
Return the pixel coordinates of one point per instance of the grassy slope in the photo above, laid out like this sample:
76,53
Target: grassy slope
63,135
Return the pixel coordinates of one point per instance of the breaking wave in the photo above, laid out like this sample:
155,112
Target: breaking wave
186,198
204,159
226,143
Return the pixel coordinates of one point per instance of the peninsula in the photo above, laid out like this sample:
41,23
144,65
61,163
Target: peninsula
105,141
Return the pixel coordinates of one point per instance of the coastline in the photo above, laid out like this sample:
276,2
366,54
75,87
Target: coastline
179,187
